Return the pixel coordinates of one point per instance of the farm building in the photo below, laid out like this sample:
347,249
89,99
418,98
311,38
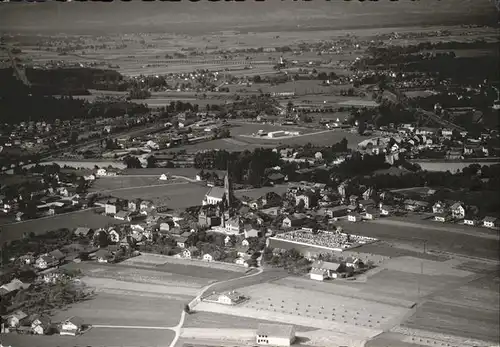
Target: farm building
71,326
230,298
322,270
275,334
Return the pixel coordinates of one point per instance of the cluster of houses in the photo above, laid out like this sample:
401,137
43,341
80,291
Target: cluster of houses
414,140
41,324
58,193
457,211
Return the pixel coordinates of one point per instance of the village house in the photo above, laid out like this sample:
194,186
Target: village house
213,256
275,335
111,208
292,222
189,252
124,216
230,298
364,204
234,226
415,205
353,200
439,207
229,241
271,211
353,263
103,256
372,213
45,261
167,225
209,218
309,199
101,172
71,326
181,242
442,217
250,231
13,286
457,210
354,217
40,324
385,210
83,232
146,207
113,236
337,211
14,319
242,260
133,205
470,219
490,222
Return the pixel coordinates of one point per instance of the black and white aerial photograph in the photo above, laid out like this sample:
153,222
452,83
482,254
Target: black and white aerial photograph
274,173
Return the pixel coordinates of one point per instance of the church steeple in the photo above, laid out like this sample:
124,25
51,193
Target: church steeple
228,187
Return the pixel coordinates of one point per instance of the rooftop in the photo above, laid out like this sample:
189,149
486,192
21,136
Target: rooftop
275,330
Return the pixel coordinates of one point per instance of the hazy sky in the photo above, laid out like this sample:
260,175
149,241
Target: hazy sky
207,16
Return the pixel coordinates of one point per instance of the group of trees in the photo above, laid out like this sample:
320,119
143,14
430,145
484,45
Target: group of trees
246,167
290,260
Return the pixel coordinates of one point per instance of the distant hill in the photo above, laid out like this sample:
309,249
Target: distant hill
270,15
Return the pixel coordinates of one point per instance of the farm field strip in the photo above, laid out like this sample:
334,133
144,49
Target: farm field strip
95,337
108,283
217,320
348,289
343,332
322,306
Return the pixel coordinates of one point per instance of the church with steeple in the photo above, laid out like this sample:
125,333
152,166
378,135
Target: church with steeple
221,197
223,201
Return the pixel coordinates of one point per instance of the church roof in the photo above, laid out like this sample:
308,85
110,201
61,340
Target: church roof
216,192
